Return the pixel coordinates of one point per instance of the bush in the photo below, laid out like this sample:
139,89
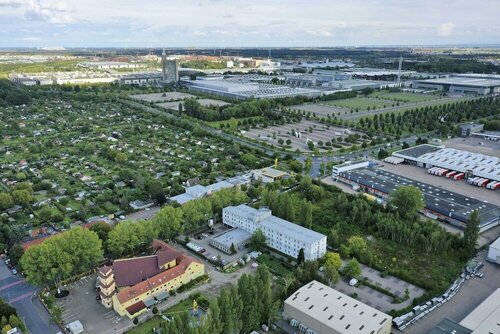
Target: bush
155,310
136,321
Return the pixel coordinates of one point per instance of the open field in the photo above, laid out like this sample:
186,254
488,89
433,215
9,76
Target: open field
405,97
319,109
308,130
162,97
361,103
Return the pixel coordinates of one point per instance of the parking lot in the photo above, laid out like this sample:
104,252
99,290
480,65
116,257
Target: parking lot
471,294
204,241
460,187
308,130
81,304
377,299
476,145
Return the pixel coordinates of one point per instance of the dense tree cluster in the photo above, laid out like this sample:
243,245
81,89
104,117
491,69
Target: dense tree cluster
62,256
240,308
11,95
441,119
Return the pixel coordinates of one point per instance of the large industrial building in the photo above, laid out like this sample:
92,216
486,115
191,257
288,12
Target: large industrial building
145,78
439,203
453,160
318,309
281,234
494,252
485,318
241,91
461,85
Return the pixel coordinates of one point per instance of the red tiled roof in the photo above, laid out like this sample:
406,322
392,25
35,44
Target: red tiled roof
134,270
134,308
28,244
183,263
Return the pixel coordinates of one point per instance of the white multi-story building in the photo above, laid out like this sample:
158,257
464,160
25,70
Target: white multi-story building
281,235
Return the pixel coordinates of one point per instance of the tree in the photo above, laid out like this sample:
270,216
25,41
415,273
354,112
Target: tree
22,197
62,256
156,192
331,267
301,257
215,322
308,165
471,233
15,253
102,230
258,240
6,201
127,237
352,269
168,222
407,201
382,154
305,215
357,245
310,145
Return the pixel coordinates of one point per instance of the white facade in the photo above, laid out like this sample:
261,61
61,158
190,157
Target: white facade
494,252
349,165
281,235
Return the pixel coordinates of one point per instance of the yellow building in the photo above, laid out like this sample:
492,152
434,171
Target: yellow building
133,285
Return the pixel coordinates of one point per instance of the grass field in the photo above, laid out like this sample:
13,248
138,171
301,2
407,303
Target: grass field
362,103
274,265
146,327
406,97
154,322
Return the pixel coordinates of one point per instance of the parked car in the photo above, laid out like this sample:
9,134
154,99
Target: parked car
14,272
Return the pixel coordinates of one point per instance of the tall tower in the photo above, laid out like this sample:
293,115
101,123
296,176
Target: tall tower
107,285
399,68
164,65
172,70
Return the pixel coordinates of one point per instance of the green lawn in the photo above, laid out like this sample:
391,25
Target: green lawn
407,97
146,327
154,322
362,103
274,265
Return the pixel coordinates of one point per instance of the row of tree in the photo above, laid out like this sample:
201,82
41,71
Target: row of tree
240,308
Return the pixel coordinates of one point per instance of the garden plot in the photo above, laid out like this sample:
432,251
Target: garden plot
203,102
304,131
162,97
405,97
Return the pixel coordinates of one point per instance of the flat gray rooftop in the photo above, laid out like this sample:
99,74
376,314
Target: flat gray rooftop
461,81
417,151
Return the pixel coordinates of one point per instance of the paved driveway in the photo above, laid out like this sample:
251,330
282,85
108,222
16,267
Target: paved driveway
22,296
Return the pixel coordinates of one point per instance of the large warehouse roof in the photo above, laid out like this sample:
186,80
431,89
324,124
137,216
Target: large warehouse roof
444,202
461,81
336,310
458,160
485,317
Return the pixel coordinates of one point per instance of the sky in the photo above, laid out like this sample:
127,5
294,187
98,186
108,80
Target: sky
249,23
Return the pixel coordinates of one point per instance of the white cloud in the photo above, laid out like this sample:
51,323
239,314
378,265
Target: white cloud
56,13
320,33
11,3
446,29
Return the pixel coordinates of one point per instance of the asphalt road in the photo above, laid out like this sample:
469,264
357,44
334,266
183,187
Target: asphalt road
22,296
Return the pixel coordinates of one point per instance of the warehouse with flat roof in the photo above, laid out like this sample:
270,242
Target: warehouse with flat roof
461,85
485,318
318,309
440,204
472,164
